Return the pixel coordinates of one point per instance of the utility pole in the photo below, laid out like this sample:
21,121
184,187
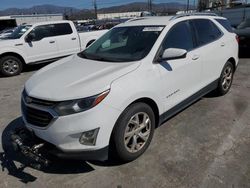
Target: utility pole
187,6
150,5
203,5
95,8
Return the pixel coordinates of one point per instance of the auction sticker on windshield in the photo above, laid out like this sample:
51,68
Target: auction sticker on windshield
152,29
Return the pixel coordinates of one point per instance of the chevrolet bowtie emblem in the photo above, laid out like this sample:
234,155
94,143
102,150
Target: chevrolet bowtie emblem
28,100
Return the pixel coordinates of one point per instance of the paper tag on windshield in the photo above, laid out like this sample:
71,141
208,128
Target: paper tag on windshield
152,29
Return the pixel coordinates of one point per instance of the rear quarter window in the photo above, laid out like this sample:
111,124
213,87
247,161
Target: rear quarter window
226,24
206,31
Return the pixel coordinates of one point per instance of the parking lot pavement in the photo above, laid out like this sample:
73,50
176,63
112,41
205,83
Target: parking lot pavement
206,145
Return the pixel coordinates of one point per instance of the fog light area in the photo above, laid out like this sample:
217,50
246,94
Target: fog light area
89,137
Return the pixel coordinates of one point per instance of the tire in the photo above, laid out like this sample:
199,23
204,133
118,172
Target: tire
225,80
138,136
10,66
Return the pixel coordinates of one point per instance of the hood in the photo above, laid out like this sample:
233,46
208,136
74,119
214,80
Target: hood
8,42
74,77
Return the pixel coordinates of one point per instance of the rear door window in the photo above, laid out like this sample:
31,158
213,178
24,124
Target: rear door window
206,31
62,29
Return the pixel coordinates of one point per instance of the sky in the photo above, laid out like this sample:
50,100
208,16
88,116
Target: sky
72,3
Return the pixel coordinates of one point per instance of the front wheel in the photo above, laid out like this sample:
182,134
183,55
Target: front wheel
226,79
10,66
134,131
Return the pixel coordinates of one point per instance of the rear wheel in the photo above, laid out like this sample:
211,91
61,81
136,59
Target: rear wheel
10,66
226,79
134,131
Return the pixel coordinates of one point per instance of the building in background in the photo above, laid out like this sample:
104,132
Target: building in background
118,15
7,22
226,3
34,18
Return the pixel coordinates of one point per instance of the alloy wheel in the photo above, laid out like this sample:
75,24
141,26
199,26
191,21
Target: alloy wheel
227,78
10,66
137,132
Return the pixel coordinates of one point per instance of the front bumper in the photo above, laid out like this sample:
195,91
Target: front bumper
96,155
64,132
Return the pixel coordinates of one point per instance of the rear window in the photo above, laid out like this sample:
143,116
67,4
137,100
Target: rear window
226,24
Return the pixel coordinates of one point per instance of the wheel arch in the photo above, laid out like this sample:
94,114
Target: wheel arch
90,42
232,60
13,54
147,101
152,105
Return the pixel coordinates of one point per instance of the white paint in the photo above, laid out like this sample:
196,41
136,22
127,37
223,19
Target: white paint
75,77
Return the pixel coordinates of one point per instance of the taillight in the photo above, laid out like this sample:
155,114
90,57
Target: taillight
237,38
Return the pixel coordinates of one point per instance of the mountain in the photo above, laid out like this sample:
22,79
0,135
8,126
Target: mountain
144,6
40,9
75,13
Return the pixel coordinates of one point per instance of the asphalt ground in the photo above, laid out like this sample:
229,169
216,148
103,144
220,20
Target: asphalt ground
205,145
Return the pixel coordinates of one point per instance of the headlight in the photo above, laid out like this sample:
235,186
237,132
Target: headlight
79,105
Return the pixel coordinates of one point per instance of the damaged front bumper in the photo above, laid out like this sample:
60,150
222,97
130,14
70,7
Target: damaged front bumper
29,145
41,151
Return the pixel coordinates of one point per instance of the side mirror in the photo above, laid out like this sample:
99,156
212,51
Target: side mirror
30,37
173,53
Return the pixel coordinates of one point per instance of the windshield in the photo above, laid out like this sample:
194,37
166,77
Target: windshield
123,44
19,31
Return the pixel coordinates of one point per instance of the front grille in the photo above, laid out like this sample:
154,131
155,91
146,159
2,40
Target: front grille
42,102
36,117
39,102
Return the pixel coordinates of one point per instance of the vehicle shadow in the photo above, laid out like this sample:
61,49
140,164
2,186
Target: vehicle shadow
30,68
15,163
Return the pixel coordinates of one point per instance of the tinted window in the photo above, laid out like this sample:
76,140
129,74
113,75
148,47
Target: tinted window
42,31
226,24
206,31
62,29
51,30
179,36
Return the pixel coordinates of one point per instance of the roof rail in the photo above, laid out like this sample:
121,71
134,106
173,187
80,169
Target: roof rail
193,14
136,19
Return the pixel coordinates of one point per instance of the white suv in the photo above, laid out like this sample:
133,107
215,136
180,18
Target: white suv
117,91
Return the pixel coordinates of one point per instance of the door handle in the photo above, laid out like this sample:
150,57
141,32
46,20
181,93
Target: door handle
51,42
195,57
19,44
73,38
222,44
